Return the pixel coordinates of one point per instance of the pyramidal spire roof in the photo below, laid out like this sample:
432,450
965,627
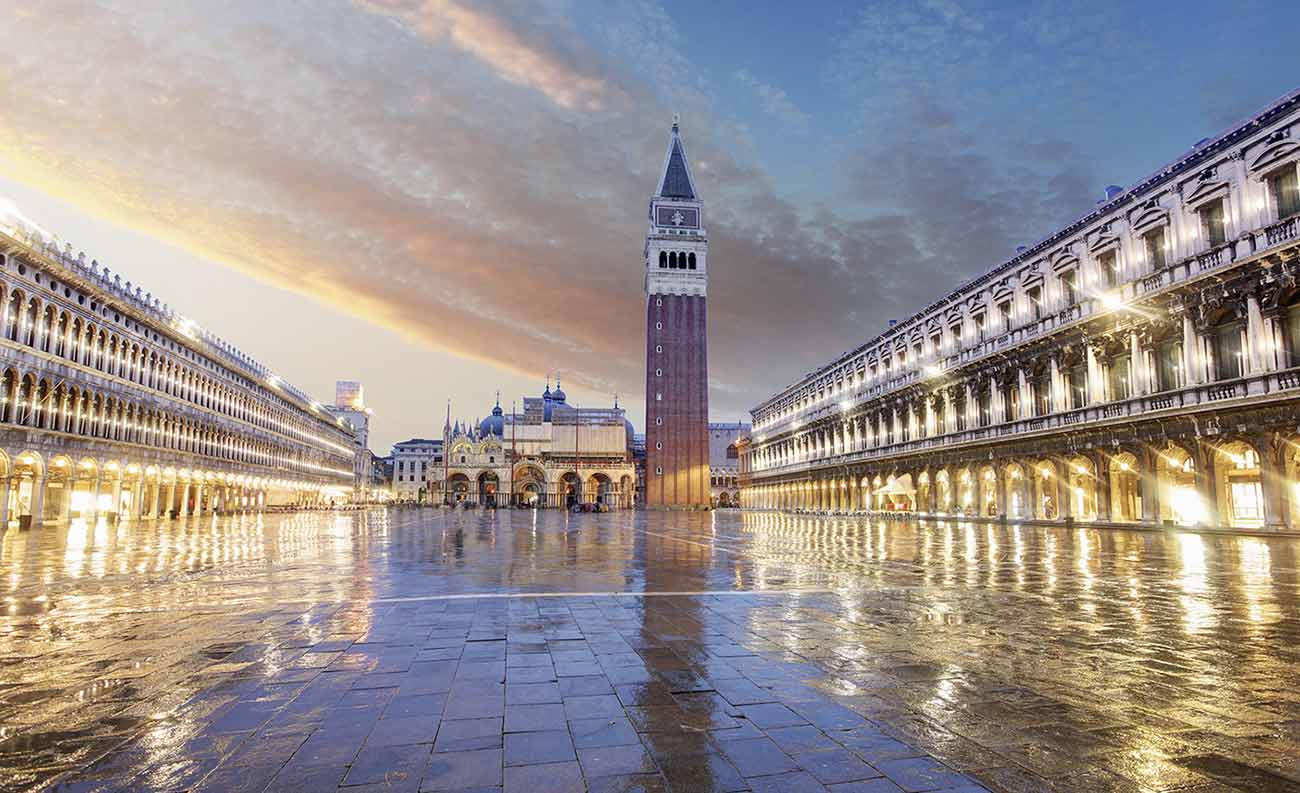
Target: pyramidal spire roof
676,181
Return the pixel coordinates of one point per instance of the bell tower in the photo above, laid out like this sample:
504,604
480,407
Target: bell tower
677,347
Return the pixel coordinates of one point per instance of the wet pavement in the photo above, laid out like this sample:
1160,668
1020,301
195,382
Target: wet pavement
427,651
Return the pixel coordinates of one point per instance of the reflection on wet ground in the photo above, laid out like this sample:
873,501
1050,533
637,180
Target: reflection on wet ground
420,650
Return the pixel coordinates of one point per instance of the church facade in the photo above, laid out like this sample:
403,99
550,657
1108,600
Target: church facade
552,454
677,366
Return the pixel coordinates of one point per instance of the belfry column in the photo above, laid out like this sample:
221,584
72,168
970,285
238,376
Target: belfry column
677,375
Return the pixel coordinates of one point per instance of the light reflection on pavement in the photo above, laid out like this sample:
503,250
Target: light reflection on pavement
419,649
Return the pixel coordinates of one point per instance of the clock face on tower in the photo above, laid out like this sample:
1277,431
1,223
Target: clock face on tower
677,217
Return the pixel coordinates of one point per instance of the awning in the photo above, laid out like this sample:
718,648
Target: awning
899,486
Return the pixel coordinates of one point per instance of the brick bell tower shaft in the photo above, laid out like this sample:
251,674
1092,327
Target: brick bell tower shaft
677,348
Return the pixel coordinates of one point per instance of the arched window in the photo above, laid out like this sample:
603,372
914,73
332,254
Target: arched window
33,313
672,260
690,258
12,313
663,259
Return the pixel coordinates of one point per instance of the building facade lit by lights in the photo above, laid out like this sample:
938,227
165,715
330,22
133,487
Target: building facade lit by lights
414,461
1141,365
550,454
114,405
724,462
350,406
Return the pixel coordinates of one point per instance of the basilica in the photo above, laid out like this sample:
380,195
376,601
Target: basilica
550,454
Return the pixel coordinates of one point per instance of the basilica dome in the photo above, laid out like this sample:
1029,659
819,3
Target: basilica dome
494,424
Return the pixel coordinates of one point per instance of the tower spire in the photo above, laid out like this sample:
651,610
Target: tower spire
676,181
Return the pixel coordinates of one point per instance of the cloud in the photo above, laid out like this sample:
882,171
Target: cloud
775,101
490,38
476,176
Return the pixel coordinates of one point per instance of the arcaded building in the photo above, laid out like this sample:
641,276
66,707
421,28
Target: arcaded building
677,344
1141,365
114,405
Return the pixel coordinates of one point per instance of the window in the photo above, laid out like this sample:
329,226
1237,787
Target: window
1170,365
732,454
659,373
1227,350
659,302
659,348
663,264
1154,241
659,471
936,342
659,421
690,258
1108,263
985,405
1077,377
1067,287
918,352
1119,374
979,328
1212,224
1286,191
1011,403
955,331
1035,296
659,326
1004,310
659,397
1291,329
659,445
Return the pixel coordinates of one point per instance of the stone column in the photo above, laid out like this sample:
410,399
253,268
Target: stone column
1150,478
1207,485
169,499
1096,383
1192,374
115,494
1258,343
1137,375
1064,495
5,484
1026,399
1101,462
155,499
38,500
92,512
1058,395
185,501
65,505
137,499
1272,481
1028,496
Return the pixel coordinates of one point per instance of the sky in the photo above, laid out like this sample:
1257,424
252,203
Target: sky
447,198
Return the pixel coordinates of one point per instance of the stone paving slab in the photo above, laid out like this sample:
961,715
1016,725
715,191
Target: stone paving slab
395,652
